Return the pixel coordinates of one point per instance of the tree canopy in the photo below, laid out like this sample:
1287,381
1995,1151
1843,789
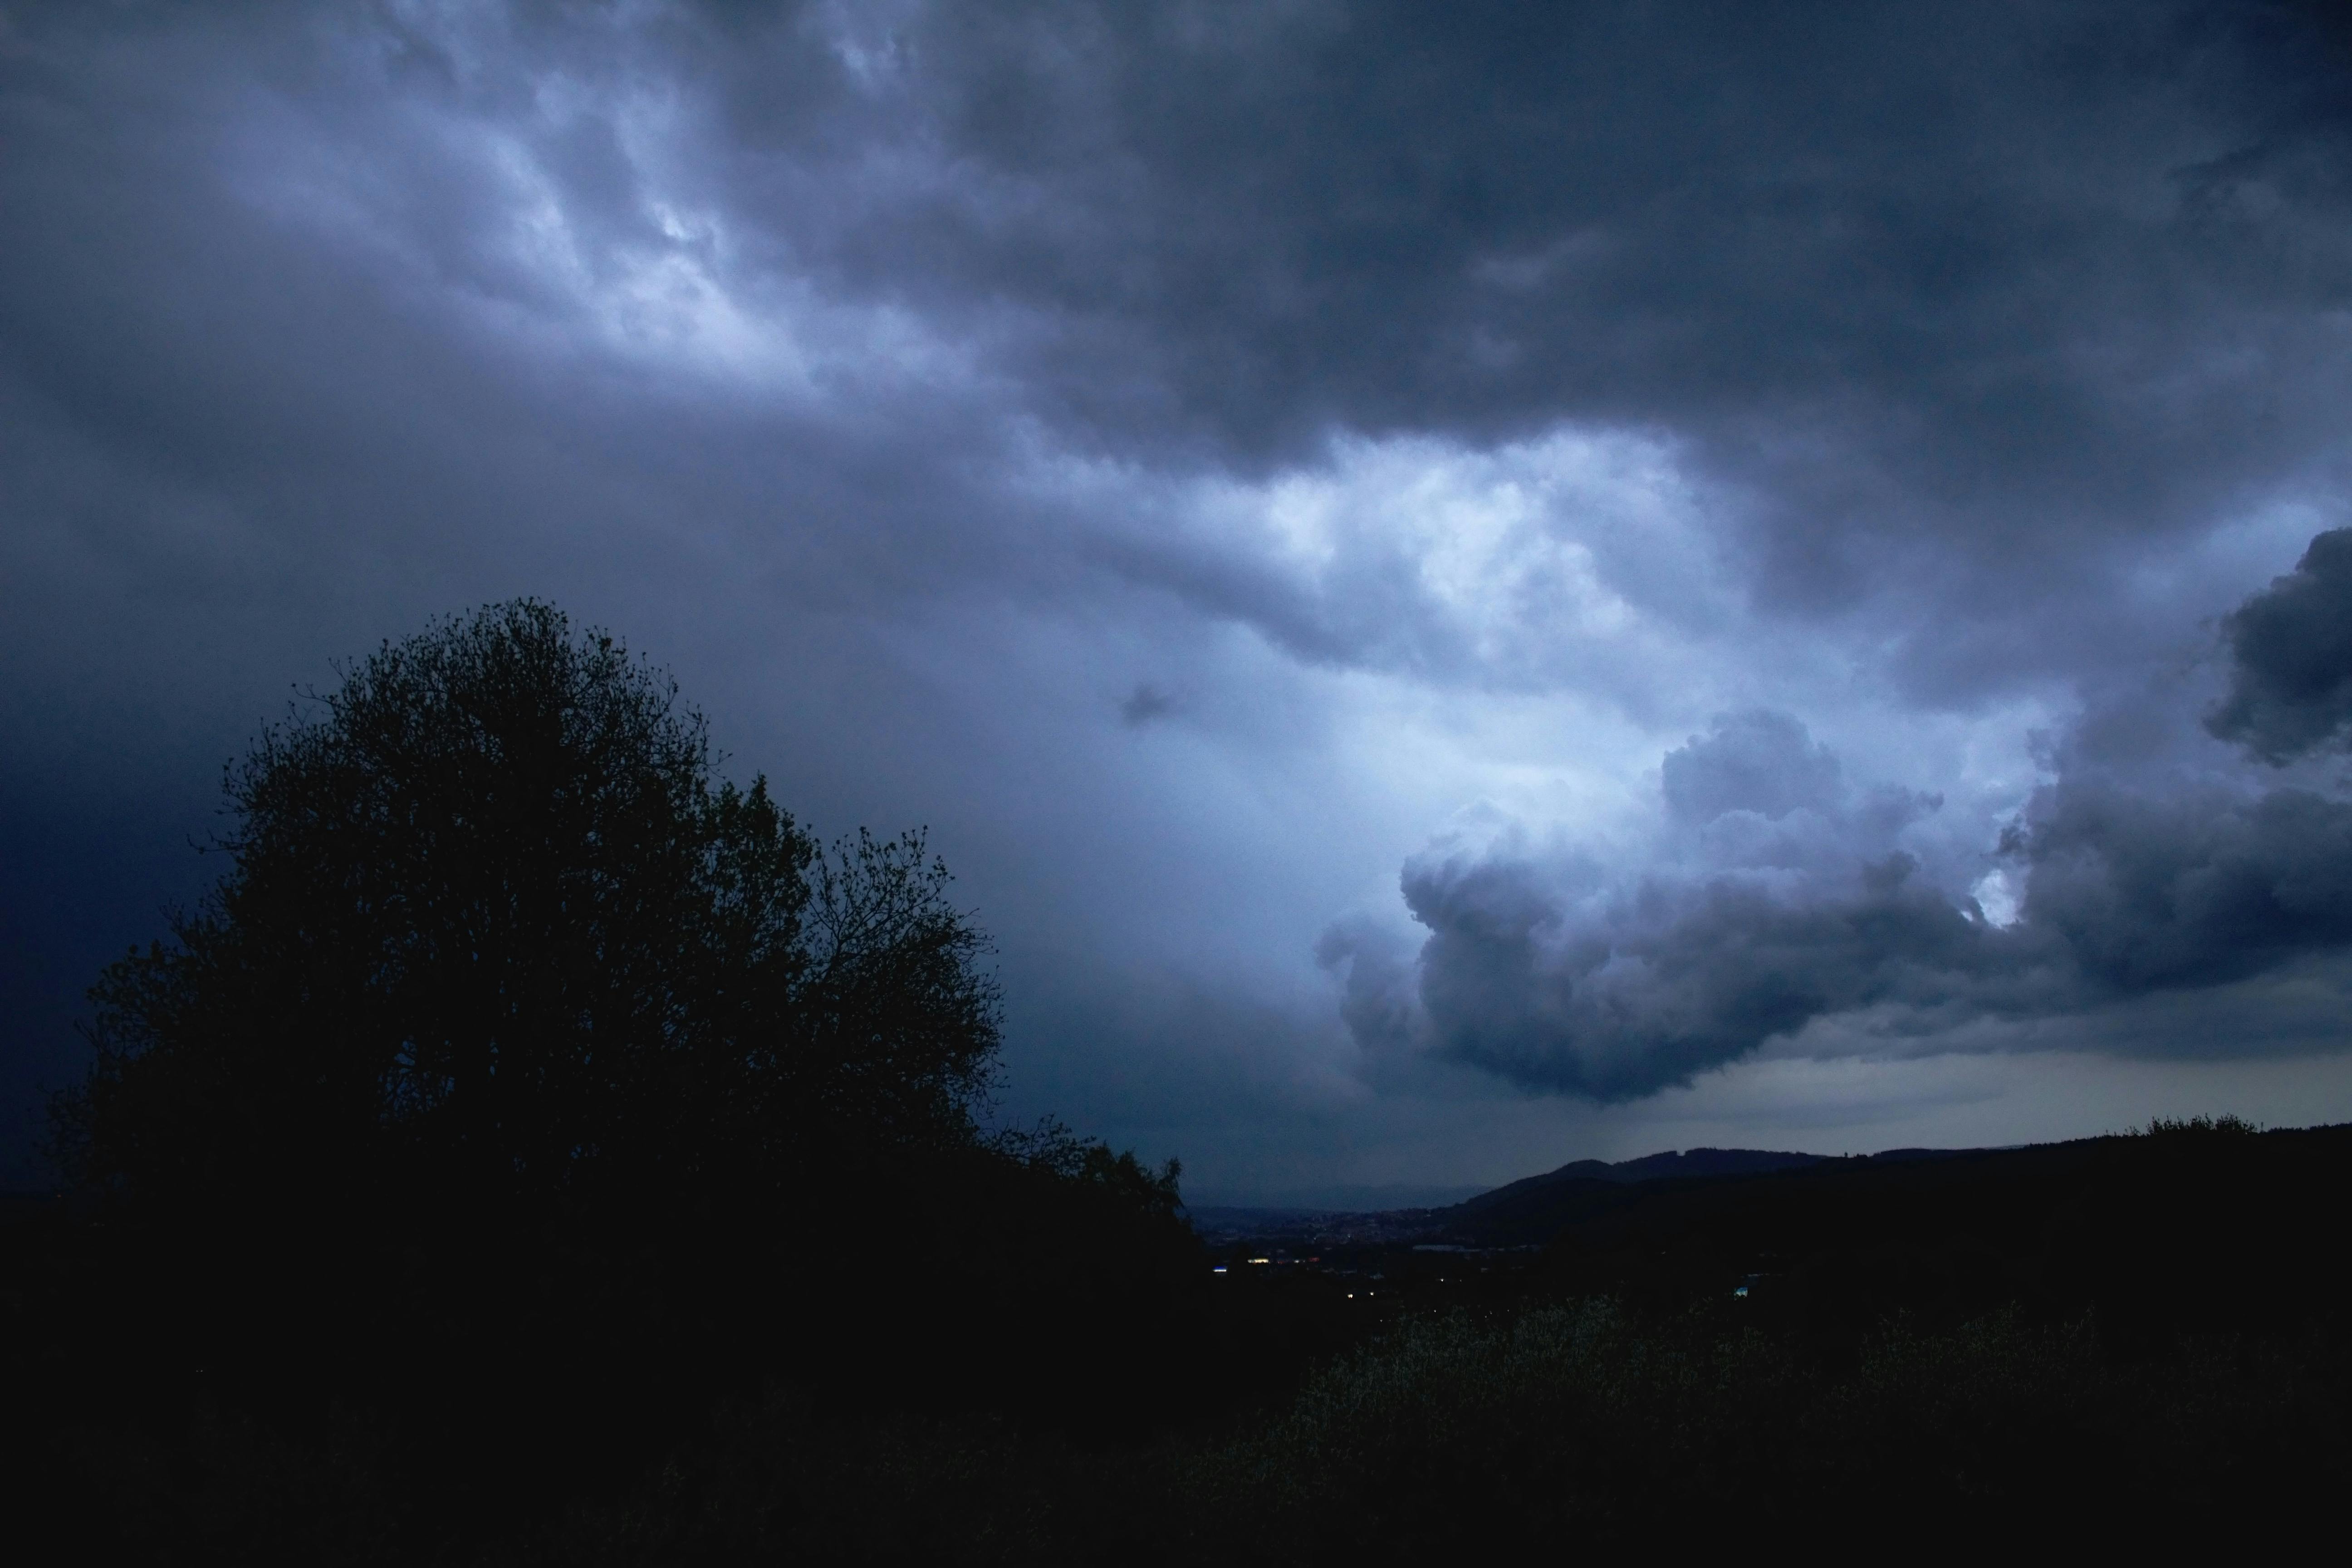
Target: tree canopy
493,926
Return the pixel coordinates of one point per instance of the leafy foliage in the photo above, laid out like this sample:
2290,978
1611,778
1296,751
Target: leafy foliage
492,928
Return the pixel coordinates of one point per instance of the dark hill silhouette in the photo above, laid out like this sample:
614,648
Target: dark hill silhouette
1533,1207
1521,1213
2205,1226
1528,1210
2195,1226
1647,1168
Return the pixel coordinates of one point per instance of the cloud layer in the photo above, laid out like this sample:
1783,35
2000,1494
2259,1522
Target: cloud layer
1199,457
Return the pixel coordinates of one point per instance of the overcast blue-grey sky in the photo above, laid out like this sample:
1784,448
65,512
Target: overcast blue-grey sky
1462,586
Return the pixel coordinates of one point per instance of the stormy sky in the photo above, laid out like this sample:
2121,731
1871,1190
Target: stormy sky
1463,586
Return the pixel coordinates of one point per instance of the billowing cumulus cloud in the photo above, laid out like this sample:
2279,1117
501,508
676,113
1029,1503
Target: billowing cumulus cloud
1774,894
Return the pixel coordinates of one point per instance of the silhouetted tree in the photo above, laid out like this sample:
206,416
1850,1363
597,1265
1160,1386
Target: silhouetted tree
529,1087
492,929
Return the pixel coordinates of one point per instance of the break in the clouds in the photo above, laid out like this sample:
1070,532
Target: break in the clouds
1768,512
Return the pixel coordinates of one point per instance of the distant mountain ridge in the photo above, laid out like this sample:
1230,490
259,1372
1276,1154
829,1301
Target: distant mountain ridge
1665,1166
1991,1224
1534,1209
1532,1194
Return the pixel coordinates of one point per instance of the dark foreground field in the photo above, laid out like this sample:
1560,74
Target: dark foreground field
2137,1340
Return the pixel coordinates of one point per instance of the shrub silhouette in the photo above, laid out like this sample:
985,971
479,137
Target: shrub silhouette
2226,1125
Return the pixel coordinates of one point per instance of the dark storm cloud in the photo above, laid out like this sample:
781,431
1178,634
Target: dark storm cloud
2006,290
1780,899
1779,895
2291,647
1992,295
1670,978
2148,892
1963,309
